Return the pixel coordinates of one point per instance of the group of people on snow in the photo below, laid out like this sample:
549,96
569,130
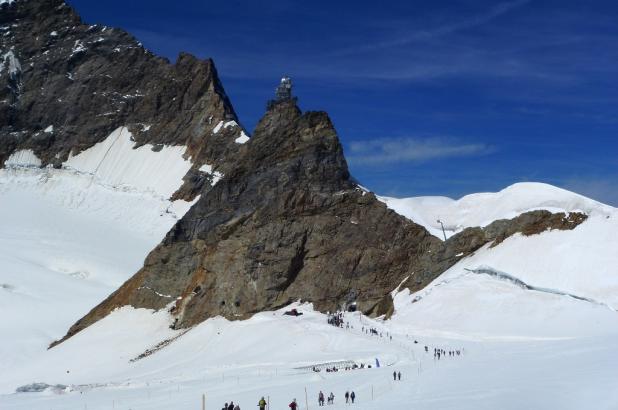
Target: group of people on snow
336,319
349,398
437,353
231,406
330,399
397,376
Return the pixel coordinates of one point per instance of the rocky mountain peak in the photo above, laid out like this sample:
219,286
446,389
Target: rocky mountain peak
282,220
70,85
287,223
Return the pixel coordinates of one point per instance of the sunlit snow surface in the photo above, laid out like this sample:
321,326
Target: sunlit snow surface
69,238
484,208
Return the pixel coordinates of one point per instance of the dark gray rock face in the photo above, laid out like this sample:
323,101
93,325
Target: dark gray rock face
88,80
288,223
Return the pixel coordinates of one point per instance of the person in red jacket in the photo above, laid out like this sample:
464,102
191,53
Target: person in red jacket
293,405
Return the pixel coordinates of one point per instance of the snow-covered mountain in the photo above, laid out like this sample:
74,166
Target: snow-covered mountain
70,239
137,214
484,208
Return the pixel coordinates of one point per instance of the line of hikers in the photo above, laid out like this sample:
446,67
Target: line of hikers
437,353
397,376
232,406
349,397
336,319
336,369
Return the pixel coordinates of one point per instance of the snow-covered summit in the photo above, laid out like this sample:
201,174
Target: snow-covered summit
483,208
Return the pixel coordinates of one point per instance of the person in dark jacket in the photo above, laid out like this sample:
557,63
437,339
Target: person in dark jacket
321,398
394,375
230,406
399,376
262,404
352,396
347,396
293,405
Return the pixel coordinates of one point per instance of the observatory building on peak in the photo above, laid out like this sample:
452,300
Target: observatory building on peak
283,92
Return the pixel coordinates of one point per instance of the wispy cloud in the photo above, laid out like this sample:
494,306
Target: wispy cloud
446,29
411,150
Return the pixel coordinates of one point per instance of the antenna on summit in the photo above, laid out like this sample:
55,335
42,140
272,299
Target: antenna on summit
283,92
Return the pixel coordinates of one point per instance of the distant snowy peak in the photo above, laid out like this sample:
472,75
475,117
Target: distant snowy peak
483,208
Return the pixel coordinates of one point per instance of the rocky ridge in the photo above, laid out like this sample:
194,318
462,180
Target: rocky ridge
288,223
70,84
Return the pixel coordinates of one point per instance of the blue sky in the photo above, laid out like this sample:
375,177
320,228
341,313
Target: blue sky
428,97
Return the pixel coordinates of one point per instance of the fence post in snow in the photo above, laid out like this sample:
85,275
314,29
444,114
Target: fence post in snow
203,402
306,399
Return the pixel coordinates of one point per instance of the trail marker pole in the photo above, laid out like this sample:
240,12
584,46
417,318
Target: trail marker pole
306,399
203,402
372,392
268,402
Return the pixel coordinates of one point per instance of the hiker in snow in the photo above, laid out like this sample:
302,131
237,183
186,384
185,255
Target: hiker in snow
347,396
231,406
352,396
399,376
331,398
394,375
262,404
321,398
237,407
225,406
293,405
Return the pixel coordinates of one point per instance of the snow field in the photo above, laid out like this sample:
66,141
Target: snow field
116,162
66,243
68,238
484,208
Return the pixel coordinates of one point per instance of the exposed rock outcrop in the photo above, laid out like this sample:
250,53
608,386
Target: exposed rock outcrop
66,85
288,223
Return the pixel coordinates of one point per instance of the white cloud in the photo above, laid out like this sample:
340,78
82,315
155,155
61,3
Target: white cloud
397,150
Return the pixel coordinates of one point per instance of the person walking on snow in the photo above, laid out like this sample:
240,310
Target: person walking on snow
237,407
347,396
331,398
231,406
262,404
399,376
352,396
293,405
321,398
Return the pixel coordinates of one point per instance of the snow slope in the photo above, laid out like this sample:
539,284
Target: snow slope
69,238
116,162
72,236
484,208
268,355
